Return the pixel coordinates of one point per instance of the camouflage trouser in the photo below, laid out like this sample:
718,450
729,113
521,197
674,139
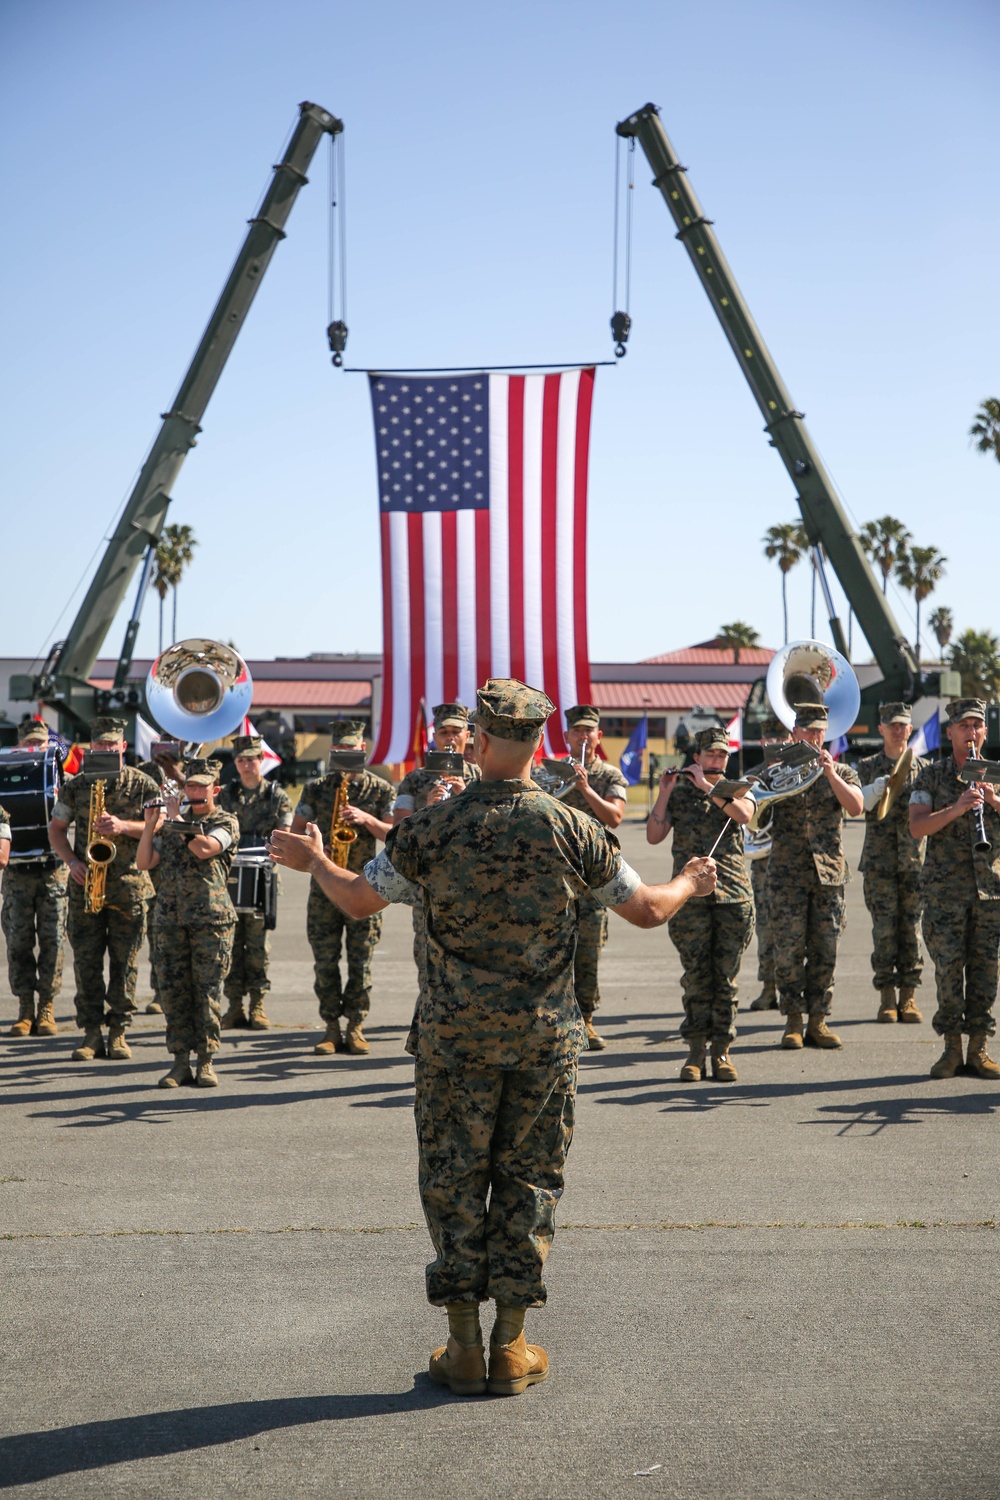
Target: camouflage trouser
501,1134
118,934
964,942
894,904
420,949
192,962
328,930
806,923
248,969
591,936
765,944
154,982
711,938
34,911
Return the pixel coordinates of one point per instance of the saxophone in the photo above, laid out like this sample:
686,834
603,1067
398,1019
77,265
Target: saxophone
100,852
342,835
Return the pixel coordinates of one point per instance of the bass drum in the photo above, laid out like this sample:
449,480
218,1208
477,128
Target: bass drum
29,790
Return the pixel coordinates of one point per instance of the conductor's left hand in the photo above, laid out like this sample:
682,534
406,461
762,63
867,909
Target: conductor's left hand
295,850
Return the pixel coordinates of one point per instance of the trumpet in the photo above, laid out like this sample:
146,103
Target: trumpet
100,853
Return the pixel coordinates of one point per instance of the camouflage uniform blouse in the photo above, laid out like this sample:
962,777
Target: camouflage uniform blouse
954,874
606,780
4,824
807,835
124,796
416,786
259,810
890,848
697,823
367,791
195,891
501,868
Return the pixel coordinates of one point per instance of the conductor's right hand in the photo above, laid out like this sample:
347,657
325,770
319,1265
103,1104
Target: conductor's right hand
702,873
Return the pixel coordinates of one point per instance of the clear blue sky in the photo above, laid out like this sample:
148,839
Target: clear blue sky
846,152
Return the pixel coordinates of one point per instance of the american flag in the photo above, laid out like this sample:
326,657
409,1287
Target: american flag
483,513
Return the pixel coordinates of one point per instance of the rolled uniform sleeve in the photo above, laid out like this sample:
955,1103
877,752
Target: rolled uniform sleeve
222,836
404,803
305,810
620,887
617,792
63,813
5,831
921,799
388,884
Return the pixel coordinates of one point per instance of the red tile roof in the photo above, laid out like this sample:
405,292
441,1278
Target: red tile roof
708,655
626,697
292,694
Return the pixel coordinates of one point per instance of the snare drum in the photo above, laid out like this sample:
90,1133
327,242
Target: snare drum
29,790
253,884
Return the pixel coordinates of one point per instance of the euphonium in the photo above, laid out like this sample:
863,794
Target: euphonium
100,852
342,835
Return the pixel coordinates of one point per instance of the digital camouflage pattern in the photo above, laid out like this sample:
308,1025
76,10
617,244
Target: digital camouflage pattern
367,791
259,811
193,933
891,862
510,1129
512,710
762,913
961,894
805,894
417,785
124,796
33,918
697,823
154,771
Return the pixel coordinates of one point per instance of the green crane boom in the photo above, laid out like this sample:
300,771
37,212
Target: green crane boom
823,516
63,681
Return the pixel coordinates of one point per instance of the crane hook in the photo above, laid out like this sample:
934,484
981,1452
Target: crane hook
337,336
620,325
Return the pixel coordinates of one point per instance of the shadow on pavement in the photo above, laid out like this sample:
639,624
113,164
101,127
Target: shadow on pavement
31,1457
160,1107
700,1097
875,1114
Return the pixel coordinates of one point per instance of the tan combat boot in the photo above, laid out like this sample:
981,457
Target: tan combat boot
887,1011
234,1019
206,1077
978,1059
818,1033
332,1041
722,1069
950,1060
909,1015
46,1023
792,1038
118,1047
768,997
694,1068
514,1364
179,1075
595,1042
258,1020
25,1018
355,1040
154,1008
461,1363
92,1046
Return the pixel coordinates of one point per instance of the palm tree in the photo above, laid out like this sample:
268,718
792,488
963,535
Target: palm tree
163,578
736,635
985,430
920,571
942,622
785,545
976,654
885,542
174,551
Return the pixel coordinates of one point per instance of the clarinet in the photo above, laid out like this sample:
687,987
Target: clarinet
980,842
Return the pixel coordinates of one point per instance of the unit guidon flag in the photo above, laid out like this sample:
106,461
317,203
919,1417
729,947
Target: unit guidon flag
483,513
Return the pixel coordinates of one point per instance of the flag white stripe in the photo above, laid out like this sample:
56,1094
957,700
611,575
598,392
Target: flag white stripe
569,389
399,569
433,610
499,537
466,561
534,668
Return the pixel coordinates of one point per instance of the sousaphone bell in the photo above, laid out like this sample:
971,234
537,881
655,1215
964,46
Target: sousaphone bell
199,690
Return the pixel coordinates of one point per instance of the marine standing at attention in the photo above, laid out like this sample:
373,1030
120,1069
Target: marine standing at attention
891,862
259,806
368,813
501,870
119,927
194,919
34,921
961,889
711,933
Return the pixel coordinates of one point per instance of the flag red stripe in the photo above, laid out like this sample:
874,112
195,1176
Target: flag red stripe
449,605
515,521
483,643
550,621
584,402
418,650
385,712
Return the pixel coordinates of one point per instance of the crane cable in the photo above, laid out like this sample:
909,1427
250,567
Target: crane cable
621,321
337,252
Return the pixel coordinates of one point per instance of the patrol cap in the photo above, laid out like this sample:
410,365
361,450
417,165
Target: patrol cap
203,772
32,731
712,739
895,713
810,715
348,734
451,716
772,729
585,714
966,708
511,710
248,744
106,730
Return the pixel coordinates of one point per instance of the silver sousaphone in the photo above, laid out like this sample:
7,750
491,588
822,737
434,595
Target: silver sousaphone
199,690
801,672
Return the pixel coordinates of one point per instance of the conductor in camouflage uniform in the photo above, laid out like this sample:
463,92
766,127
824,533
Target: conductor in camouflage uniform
118,929
710,933
165,766
501,870
34,921
602,791
961,889
891,862
368,814
772,734
422,788
259,806
194,918
805,887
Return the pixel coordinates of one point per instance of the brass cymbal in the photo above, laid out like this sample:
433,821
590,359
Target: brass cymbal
897,781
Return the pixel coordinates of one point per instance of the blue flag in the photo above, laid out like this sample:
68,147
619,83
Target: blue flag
631,761
928,737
